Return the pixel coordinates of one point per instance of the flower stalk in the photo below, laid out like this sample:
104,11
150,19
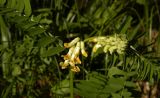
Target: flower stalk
71,84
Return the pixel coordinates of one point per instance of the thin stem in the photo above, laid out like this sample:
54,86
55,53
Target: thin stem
71,84
59,74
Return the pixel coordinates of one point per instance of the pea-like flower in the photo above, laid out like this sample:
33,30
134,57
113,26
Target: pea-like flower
64,64
116,43
72,43
75,69
109,44
106,48
99,38
72,57
96,46
76,51
84,53
69,54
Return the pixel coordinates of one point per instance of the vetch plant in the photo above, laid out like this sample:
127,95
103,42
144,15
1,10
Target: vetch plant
30,68
109,44
116,43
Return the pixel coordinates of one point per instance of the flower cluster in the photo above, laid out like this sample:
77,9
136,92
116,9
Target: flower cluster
116,43
72,57
110,44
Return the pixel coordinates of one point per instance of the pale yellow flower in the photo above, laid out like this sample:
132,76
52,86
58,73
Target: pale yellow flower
69,54
77,60
116,43
72,64
75,69
96,46
72,43
99,38
65,64
112,49
84,53
106,48
77,49
75,52
72,57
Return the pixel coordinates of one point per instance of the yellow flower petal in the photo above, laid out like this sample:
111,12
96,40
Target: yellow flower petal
66,57
69,54
82,45
95,48
77,60
112,49
65,64
75,69
73,42
75,52
105,49
66,45
96,39
84,53
72,63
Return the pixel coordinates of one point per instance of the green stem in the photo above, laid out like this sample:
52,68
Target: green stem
71,84
5,36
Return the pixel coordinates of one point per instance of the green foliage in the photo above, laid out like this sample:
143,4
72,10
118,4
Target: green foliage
28,51
32,31
98,85
61,88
